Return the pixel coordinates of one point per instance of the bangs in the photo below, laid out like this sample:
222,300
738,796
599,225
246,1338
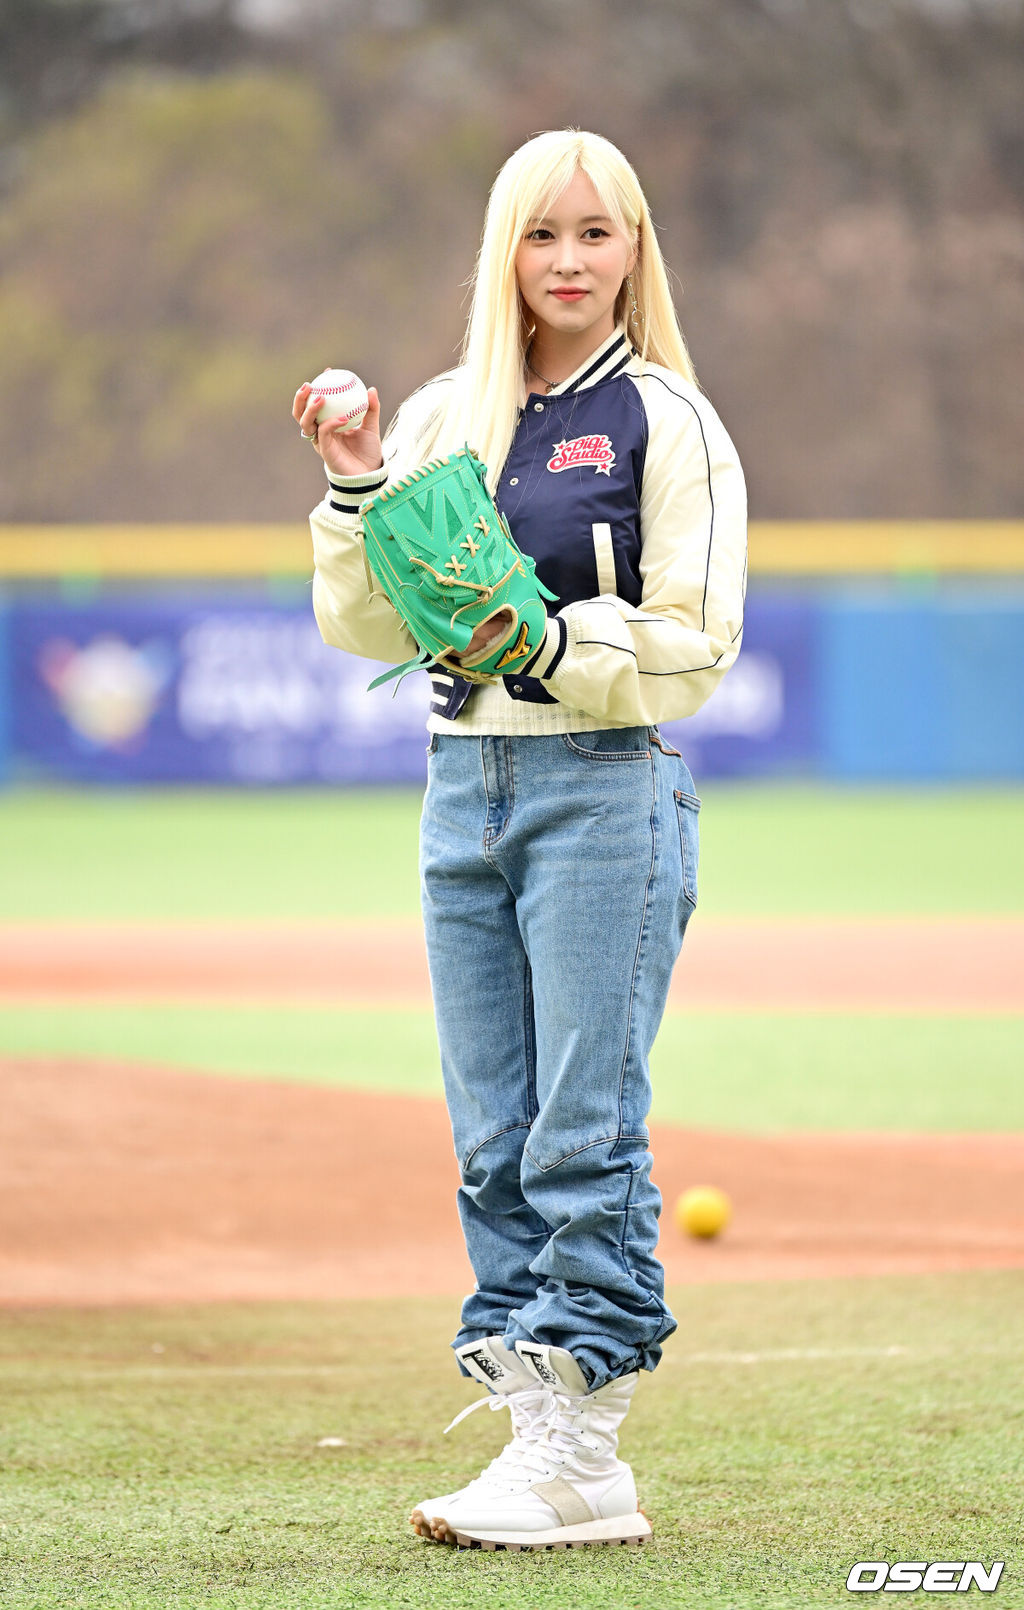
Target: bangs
540,171
607,193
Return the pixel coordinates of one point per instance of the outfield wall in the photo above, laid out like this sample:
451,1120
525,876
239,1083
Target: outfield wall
866,681
873,651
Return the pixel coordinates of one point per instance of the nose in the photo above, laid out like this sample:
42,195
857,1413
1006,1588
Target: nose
567,255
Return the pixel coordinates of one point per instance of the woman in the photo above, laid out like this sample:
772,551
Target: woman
559,830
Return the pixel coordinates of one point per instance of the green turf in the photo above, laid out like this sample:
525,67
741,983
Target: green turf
813,1071
752,1072
155,1459
766,848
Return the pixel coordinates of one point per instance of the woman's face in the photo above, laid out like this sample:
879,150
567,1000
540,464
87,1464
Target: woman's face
570,265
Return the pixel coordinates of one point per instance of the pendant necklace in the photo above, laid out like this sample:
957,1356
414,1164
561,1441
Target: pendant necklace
549,383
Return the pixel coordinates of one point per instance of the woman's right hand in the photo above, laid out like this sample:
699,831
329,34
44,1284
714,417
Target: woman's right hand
353,452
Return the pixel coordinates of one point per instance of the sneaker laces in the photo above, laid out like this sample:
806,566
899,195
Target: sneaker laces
533,1400
547,1436
529,1408
560,1440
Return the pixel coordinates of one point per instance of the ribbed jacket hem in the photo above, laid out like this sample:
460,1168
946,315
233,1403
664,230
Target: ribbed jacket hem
490,711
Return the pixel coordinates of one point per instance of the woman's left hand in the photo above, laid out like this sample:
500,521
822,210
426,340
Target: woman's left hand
485,633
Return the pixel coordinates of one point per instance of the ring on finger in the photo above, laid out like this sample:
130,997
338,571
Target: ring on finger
306,438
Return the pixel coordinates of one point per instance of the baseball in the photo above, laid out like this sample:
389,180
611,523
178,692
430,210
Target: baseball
344,395
703,1211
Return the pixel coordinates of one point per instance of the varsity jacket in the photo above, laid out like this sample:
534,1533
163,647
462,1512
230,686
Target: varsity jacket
624,486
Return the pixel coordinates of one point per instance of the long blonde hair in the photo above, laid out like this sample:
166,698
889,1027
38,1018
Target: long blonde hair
484,407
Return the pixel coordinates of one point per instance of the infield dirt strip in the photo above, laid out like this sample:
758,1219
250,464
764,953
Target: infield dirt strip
784,963
127,1183
137,1184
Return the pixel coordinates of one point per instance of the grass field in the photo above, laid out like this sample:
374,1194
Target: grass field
765,849
168,1457
758,1072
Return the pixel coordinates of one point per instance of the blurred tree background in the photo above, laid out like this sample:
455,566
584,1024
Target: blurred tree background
205,201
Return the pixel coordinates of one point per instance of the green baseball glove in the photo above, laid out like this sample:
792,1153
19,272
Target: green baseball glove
443,555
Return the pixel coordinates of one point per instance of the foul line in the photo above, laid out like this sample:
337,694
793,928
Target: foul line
785,1355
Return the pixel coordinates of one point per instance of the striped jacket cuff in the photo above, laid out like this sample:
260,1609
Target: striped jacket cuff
348,491
549,656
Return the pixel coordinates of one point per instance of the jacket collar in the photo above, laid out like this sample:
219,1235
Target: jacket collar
611,356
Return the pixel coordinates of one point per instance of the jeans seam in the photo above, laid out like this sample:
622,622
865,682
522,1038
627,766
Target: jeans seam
509,1129
484,840
490,838
529,1041
603,1140
633,1172
683,801
640,938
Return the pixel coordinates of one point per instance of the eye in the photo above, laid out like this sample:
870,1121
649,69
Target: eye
535,234
595,229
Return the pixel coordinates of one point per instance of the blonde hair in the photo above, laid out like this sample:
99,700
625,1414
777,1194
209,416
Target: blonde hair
484,408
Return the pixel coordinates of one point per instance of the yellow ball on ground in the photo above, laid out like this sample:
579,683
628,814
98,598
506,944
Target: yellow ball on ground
703,1211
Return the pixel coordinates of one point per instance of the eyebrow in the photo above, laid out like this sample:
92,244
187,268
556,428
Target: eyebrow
594,218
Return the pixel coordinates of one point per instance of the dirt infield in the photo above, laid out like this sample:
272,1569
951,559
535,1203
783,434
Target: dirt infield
131,1184
789,964
124,1183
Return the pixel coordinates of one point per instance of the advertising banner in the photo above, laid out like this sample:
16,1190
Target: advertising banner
204,691
158,688
6,684
765,716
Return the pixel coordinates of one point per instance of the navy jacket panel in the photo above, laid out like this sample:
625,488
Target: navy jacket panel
576,463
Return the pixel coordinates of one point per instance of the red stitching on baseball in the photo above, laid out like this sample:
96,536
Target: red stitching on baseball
333,391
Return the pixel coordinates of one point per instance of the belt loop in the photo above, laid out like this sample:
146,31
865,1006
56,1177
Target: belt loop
665,748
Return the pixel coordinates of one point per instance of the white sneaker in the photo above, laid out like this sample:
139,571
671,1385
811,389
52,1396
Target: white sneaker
564,1489
515,1387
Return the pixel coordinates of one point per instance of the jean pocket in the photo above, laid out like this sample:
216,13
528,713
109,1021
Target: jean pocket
687,812
610,743
432,744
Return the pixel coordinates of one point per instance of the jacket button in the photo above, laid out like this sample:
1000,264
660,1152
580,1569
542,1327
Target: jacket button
517,687
514,481
538,408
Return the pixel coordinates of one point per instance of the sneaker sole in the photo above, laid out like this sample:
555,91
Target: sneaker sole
628,1530
420,1524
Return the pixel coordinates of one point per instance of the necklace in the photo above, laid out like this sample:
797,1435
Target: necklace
549,383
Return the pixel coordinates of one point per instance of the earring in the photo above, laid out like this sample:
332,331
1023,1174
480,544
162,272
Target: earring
635,313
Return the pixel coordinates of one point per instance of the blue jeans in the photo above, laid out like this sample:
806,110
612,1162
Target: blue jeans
558,874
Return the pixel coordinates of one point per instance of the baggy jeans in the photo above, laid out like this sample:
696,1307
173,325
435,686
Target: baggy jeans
558,874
